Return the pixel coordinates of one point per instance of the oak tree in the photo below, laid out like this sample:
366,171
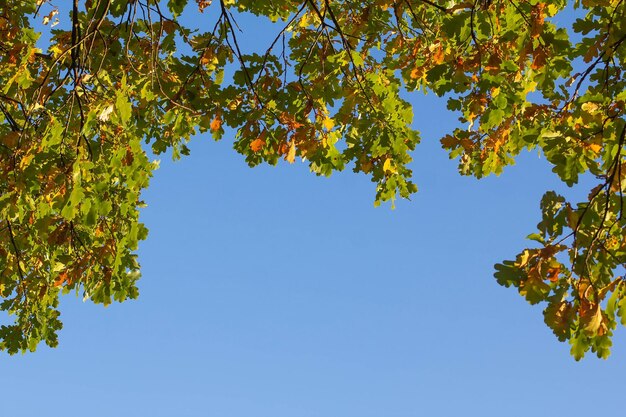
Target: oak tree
90,90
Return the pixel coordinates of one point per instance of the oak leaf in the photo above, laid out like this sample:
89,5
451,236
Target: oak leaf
257,144
291,154
10,139
216,124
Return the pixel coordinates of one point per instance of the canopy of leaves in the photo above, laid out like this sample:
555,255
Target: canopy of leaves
83,102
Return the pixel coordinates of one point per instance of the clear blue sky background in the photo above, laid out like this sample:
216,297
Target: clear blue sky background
273,293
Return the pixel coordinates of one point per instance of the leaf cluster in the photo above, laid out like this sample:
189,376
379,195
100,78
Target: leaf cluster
118,80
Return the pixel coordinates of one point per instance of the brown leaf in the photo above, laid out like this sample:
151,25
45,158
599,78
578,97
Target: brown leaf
493,64
539,59
366,166
449,141
129,157
592,319
538,17
10,139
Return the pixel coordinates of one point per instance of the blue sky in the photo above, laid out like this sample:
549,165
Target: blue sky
272,292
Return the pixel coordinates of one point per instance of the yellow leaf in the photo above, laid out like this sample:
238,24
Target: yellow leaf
105,113
234,104
26,160
595,147
328,123
55,50
530,87
388,167
589,107
523,259
552,10
291,155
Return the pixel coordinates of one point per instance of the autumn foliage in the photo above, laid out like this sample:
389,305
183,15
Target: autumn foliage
111,82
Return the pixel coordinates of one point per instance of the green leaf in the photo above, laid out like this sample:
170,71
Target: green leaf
176,6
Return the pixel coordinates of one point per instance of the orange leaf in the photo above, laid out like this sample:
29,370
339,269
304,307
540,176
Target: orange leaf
216,124
539,59
257,144
553,274
290,121
595,148
438,56
61,279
